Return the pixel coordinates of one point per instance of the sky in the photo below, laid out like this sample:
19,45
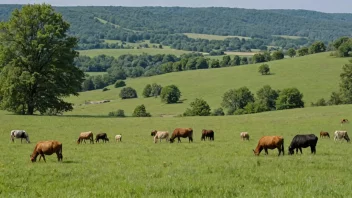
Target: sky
329,6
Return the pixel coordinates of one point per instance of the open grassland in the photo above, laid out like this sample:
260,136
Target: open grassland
118,52
137,167
316,76
212,37
290,37
95,73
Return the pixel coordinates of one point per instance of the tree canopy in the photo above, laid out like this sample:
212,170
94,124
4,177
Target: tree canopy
36,61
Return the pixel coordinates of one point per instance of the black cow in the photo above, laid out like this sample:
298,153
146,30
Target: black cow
101,136
303,141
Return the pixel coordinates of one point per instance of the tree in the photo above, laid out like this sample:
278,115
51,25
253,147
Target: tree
335,99
267,97
236,99
215,63
244,60
37,62
128,92
140,111
170,94
258,58
202,63
87,85
317,47
199,107
119,83
264,69
303,51
278,55
225,61
156,90
289,98
346,83
118,113
98,82
236,60
291,52
218,112
147,91
345,48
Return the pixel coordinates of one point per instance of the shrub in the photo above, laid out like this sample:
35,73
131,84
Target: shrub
128,92
106,89
236,99
277,55
140,111
199,107
320,102
120,83
264,69
147,91
118,113
291,52
218,112
170,94
156,90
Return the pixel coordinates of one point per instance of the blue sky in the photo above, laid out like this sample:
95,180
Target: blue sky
331,6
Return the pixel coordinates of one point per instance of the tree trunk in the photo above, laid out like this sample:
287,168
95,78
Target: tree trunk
30,109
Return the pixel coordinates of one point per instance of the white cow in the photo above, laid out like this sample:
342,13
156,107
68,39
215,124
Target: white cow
244,136
339,135
19,134
118,138
161,135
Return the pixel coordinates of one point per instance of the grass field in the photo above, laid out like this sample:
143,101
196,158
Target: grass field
137,167
316,76
118,52
290,37
212,37
95,73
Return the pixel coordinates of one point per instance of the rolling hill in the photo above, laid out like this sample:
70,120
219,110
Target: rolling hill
316,76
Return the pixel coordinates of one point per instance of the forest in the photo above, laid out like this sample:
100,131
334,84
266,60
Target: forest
165,25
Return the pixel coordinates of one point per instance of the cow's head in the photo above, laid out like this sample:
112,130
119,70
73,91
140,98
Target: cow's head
107,139
33,159
255,152
291,150
172,140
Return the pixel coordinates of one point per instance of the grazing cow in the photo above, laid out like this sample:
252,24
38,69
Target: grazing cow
47,148
324,134
118,138
161,135
85,136
303,141
101,136
344,121
339,135
270,142
207,134
19,134
153,133
244,136
182,132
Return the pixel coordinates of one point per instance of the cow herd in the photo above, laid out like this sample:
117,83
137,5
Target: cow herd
266,142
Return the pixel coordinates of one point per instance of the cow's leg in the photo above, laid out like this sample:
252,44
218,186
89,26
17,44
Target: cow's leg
266,151
43,157
300,149
190,139
179,139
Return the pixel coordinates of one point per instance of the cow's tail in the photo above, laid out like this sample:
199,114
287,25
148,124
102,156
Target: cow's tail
283,147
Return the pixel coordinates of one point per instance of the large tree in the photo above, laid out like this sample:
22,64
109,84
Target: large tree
36,61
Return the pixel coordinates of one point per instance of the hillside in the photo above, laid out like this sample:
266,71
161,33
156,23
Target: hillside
125,21
316,76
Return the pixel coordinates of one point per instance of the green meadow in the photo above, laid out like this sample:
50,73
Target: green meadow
227,167
316,76
212,37
118,52
137,167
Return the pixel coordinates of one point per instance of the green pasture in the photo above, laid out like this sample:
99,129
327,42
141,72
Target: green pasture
212,37
118,52
290,37
95,73
316,76
137,167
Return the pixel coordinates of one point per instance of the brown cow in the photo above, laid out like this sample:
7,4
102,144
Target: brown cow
182,132
207,134
47,148
153,132
270,142
344,121
244,136
85,136
324,134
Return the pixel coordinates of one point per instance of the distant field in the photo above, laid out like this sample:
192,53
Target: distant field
117,26
212,37
211,84
95,73
118,52
241,53
289,37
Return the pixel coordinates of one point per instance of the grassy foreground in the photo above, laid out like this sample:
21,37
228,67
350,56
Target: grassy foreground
316,76
139,168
